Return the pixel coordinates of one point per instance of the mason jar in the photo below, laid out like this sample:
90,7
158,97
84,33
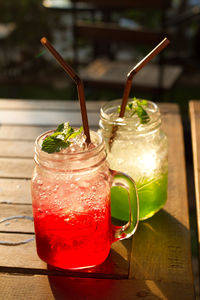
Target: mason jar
71,205
141,151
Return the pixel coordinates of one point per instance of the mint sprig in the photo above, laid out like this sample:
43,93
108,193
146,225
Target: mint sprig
137,107
60,139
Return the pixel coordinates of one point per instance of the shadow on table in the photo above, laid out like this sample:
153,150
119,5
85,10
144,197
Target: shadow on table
161,252
160,267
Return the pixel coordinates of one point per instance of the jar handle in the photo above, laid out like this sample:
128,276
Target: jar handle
125,231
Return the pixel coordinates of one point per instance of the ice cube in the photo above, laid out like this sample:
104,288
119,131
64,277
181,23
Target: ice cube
78,143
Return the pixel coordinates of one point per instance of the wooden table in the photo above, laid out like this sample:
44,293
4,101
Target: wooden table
194,107
154,264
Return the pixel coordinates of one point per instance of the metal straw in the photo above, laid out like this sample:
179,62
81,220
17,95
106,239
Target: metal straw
78,82
128,85
136,69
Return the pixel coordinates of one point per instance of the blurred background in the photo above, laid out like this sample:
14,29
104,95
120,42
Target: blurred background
28,71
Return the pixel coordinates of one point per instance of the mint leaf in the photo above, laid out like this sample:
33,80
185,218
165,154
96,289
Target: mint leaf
142,114
60,138
53,144
60,127
129,106
57,134
137,107
143,102
65,129
74,134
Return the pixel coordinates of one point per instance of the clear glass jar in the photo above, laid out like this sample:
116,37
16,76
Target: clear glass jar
71,206
141,151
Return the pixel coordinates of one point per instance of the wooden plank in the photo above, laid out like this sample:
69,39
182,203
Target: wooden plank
194,107
9,148
19,256
16,218
16,168
15,191
22,133
115,266
56,105
26,132
161,245
41,117
48,105
168,108
40,287
177,205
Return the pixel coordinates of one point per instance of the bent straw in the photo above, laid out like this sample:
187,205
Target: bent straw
165,42
78,82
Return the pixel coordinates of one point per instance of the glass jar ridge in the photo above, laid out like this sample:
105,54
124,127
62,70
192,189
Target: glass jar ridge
70,162
109,117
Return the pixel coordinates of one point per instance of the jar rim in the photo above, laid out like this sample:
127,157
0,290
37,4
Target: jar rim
112,105
95,136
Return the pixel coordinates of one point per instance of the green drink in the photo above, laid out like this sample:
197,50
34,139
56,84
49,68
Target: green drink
152,197
140,150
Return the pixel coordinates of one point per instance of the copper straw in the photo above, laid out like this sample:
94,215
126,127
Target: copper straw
137,68
78,82
128,85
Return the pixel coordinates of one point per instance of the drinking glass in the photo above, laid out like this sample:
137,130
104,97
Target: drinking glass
71,205
141,151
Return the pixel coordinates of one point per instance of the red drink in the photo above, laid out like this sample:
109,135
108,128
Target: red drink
62,234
